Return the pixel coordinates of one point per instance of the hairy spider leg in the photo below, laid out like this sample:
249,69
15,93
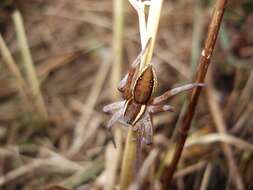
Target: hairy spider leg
154,109
113,106
174,91
115,117
148,128
125,84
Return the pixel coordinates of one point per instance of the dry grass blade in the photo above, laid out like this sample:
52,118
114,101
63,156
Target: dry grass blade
33,81
53,162
113,156
225,138
80,129
190,169
84,175
144,170
221,128
205,180
130,160
7,57
118,29
200,76
22,171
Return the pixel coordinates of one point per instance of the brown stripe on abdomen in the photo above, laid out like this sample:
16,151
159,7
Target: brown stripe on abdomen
144,86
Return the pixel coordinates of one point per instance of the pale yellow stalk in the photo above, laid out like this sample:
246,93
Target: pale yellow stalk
28,64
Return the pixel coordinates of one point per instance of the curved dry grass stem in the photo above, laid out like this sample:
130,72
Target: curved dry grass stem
200,77
222,138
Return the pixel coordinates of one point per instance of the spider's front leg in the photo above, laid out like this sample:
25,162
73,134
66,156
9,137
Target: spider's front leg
115,117
113,106
126,83
154,109
170,93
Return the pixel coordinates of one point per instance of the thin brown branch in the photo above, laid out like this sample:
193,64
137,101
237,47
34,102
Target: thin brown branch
200,77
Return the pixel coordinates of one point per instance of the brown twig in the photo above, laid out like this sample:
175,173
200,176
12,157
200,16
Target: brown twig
200,76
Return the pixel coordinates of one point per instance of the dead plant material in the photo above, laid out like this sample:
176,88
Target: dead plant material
200,77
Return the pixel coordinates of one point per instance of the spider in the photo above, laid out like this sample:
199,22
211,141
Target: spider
138,104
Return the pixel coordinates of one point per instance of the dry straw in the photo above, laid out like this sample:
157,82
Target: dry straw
29,65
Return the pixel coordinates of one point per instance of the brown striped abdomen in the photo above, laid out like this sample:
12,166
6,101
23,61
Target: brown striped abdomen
144,86
133,112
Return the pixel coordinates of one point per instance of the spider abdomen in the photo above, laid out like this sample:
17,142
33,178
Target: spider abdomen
133,112
144,86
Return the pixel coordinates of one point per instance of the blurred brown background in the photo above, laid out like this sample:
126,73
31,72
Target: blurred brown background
71,48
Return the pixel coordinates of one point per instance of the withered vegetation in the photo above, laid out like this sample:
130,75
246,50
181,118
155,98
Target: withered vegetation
71,51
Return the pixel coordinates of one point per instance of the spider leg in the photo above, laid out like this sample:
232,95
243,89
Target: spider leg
113,106
148,129
126,82
153,109
115,117
174,91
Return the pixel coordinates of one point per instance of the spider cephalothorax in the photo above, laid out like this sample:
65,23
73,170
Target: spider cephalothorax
137,89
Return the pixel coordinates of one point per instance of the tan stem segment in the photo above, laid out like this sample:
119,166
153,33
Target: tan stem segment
152,27
130,160
29,65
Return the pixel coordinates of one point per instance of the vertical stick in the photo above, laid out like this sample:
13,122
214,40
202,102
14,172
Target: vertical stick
152,27
9,60
118,34
28,64
130,159
200,77
118,27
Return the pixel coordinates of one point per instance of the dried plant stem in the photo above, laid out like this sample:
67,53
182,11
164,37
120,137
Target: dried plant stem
85,175
198,26
130,159
203,64
7,57
152,27
140,9
221,128
28,64
113,158
205,180
113,155
144,170
132,154
81,126
118,26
